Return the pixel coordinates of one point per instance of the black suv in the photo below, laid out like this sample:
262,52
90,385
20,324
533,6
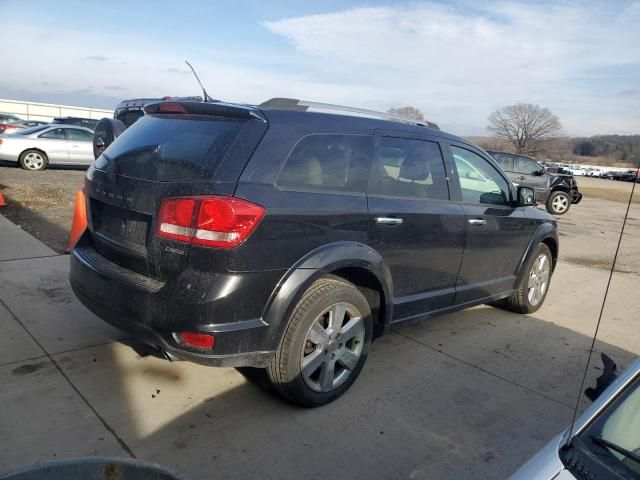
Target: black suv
557,191
284,238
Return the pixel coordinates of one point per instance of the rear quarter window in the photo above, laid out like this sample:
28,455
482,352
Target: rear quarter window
330,162
173,148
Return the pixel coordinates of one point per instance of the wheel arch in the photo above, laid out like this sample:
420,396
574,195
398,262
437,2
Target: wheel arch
352,261
546,233
46,157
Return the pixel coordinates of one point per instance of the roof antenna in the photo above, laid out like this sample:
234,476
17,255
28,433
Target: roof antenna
207,98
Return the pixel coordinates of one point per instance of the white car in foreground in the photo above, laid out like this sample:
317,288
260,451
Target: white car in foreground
35,148
604,443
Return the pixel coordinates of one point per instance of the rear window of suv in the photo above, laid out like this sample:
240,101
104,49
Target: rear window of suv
171,148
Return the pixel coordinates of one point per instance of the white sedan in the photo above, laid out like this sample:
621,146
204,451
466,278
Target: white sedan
35,148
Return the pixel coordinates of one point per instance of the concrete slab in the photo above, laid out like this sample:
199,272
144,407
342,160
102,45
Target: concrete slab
16,243
42,417
414,413
15,343
38,293
547,351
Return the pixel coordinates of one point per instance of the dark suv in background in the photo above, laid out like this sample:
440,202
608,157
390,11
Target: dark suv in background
284,238
556,191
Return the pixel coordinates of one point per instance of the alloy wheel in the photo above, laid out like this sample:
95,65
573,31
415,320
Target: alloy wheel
333,347
560,204
538,279
33,161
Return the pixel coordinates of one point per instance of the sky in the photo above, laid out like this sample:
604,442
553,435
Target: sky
456,61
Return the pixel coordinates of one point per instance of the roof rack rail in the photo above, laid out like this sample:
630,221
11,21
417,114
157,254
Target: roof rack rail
303,105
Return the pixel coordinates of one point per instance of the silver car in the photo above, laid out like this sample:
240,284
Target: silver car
35,148
604,443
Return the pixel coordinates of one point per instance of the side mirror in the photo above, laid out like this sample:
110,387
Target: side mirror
526,196
609,375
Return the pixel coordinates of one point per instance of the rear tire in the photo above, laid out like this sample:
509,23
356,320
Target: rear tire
325,344
559,203
533,288
33,160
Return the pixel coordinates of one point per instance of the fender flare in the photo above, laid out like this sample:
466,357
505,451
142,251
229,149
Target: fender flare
545,231
322,261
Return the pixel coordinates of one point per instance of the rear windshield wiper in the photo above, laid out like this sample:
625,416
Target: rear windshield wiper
617,448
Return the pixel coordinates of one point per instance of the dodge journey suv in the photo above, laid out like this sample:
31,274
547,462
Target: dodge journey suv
286,238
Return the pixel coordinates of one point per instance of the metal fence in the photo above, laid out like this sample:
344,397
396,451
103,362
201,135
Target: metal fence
47,112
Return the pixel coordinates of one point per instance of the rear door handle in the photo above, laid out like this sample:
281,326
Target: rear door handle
477,221
388,221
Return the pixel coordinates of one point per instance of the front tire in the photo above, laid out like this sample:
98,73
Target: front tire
533,288
558,203
33,160
325,344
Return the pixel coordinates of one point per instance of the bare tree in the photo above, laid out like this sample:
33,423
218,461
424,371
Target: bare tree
408,111
524,125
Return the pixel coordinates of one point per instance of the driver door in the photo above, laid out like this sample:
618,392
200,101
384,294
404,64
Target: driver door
496,230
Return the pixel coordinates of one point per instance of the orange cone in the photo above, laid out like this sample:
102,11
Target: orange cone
79,221
2,202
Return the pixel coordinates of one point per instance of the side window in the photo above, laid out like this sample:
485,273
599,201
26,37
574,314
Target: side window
328,162
480,182
505,161
57,134
526,166
79,135
406,167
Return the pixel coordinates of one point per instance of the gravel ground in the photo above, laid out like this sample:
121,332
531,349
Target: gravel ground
41,202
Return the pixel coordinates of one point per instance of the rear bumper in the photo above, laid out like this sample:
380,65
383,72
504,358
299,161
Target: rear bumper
153,312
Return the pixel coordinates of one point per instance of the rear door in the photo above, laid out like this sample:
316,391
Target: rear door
497,231
161,156
54,143
412,222
79,145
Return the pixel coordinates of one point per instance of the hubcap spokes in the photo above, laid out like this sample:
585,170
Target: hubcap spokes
33,161
560,203
538,279
333,347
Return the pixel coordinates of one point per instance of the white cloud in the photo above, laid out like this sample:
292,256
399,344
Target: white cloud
459,65
455,64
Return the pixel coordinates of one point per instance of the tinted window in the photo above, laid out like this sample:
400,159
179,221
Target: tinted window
130,117
81,135
480,182
328,162
505,161
56,134
409,168
527,166
171,147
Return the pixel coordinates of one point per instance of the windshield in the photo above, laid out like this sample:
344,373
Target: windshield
619,425
29,131
171,147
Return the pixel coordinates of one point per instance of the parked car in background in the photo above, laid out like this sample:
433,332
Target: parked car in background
36,147
13,127
81,122
283,238
557,191
604,443
8,122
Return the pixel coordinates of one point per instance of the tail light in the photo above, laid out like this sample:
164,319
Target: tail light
211,221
